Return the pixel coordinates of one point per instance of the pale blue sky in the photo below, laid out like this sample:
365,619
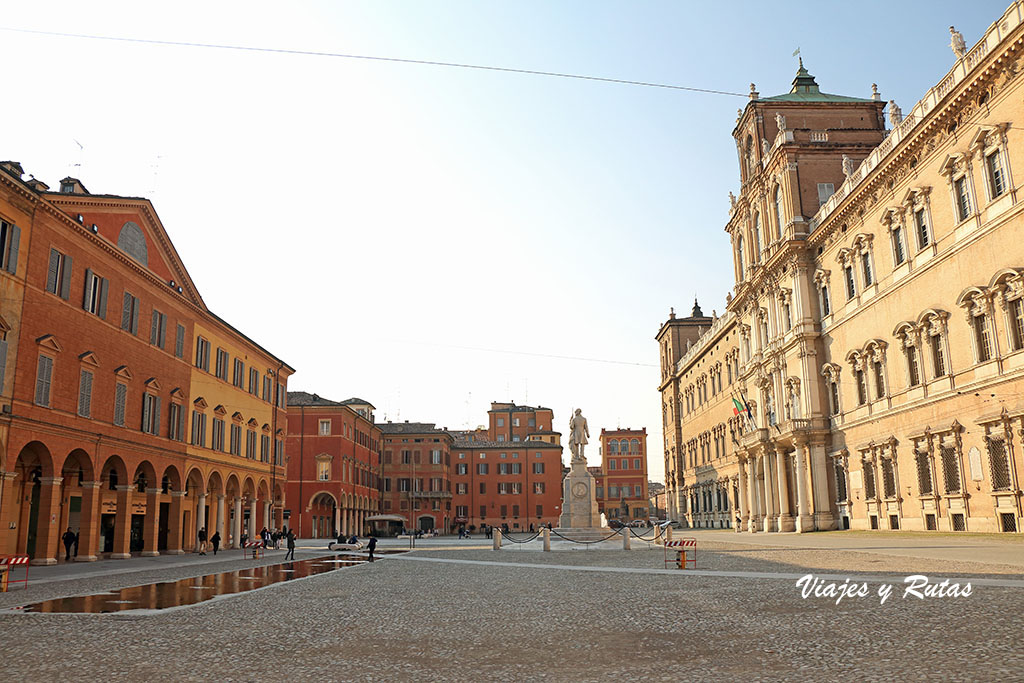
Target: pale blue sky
394,211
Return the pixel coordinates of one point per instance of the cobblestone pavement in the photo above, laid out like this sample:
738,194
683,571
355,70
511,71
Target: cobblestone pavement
434,619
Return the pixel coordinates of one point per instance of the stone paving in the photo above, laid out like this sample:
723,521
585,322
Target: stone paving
474,614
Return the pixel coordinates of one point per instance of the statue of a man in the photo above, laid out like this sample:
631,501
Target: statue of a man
780,122
848,167
895,114
957,43
578,433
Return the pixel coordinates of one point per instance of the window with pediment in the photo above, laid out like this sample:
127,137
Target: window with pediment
958,172
909,339
1008,288
934,330
978,309
989,146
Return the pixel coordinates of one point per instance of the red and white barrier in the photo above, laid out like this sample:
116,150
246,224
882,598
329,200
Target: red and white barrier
256,547
687,549
8,561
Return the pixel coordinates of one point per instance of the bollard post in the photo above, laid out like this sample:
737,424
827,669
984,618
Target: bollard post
668,533
497,539
625,537
547,539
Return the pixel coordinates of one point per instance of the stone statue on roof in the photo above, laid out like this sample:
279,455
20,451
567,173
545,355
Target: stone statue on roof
780,121
578,433
957,43
895,114
848,167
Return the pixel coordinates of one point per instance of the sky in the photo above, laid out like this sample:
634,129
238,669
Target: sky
429,238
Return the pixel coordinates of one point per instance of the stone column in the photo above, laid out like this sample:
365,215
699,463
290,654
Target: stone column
222,514
752,493
151,527
200,519
48,529
89,522
769,490
266,514
782,466
174,524
123,524
804,521
496,544
823,517
236,523
743,502
253,531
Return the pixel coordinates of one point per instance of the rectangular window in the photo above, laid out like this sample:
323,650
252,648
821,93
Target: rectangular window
938,357
501,422
517,468
10,236
481,468
483,511
198,429
175,422
435,457
851,284
913,372
503,468
963,198
217,440
869,276
825,191
996,175
862,387
236,439
158,329
44,376
625,464
833,395
238,376
266,389
515,510
264,448
462,488
613,464
924,237
1017,323
899,255
879,380
254,382
221,368
981,338
58,277
120,401
826,305
202,354
130,313
323,471
279,452
483,487
501,437
94,294
85,394
250,444
461,468
150,414
636,463
281,396
179,342
538,487
538,468
950,469
325,428
540,510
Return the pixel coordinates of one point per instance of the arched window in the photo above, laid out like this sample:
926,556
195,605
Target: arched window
739,257
613,447
634,446
778,211
757,237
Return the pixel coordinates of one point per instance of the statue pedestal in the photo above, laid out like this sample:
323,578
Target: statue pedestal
579,501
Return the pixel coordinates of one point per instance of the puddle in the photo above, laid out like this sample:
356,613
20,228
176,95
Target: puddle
191,591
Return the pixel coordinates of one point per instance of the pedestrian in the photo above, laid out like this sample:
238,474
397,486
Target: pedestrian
373,544
69,540
354,540
201,536
215,541
243,539
291,546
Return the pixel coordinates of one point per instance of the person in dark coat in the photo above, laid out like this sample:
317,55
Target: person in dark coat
354,539
215,541
291,545
69,539
372,545
202,540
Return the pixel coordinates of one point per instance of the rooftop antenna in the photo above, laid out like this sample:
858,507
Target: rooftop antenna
76,169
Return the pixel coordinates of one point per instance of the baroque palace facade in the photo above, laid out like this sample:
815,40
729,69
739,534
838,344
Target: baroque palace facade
876,329
129,412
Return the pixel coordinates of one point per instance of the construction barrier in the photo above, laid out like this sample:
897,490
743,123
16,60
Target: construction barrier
255,546
687,549
8,561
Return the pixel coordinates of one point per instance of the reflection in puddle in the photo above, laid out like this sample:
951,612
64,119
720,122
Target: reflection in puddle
192,590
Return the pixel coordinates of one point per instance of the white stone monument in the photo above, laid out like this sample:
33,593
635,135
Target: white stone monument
580,516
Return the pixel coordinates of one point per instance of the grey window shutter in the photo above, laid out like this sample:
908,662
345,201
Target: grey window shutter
104,285
126,312
154,327
86,288
65,286
12,251
181,424
195,428
82,410
145,412
162,341
120,396
156,415
3,362
179,342
135,315
51,276
43,375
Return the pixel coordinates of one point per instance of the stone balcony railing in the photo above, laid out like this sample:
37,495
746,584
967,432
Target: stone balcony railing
704,340
1010,20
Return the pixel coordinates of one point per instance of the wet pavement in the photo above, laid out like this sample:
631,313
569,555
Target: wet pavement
194,590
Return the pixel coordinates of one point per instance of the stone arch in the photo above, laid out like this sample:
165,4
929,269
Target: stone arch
1005,275
278,495
215,484
113,473
263,490
35,456
144,477
969,295
195,483
232,487
79,464
322,492
248,488
170,480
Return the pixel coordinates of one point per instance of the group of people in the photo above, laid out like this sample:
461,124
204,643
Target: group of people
270,539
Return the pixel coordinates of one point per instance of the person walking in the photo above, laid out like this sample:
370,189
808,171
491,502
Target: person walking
372,545
215,541
69,541
290,538
201,536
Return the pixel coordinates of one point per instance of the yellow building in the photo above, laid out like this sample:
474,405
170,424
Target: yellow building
878,314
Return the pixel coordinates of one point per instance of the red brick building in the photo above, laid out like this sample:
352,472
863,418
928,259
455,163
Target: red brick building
334,465
416,481
99,326
622,477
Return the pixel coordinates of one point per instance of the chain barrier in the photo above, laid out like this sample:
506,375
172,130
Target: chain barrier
508,537
602,540
644,538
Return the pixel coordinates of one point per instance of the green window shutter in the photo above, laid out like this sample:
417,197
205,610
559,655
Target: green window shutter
104,285
65,286
51,275
85,393
162,332
87,288
181,424
12,251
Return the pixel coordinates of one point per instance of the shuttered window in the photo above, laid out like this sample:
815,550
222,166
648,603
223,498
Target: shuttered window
266,389
151,414
158,329
175,422
254,382
265,448
221,369
198,428
58,276
236,439
94,294
3,362
238,378
250,445
120,400
202,354
10,236
130,313
85,394
217,442
179,342
44,375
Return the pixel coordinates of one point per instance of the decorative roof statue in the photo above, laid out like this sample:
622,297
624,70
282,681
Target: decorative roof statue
848,168
732,201
875,95
957,43
765,147
753,92
895,114
780,121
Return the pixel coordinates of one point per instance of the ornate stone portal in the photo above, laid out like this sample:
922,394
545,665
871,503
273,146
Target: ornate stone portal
579,501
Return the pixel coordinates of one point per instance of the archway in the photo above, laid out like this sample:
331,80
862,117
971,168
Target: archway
115,499
194,514
426,523
78,511
34,468
169,537
142,536
323,508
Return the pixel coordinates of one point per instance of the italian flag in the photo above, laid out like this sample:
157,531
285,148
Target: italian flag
738,407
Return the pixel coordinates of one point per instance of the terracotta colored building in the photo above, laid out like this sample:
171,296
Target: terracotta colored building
416,480
334,465
107,384
621,484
